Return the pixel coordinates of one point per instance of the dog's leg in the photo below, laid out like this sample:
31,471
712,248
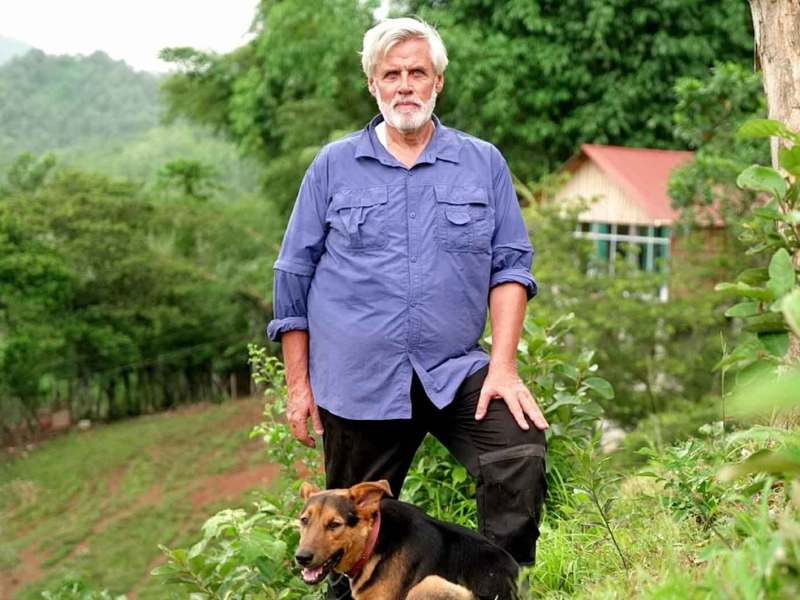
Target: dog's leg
434,587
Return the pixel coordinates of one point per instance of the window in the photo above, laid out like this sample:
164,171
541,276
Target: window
646,246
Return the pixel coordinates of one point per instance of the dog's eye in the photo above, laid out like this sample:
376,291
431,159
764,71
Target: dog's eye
334,525
303,521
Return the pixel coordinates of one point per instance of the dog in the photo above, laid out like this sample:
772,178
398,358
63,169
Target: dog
391,550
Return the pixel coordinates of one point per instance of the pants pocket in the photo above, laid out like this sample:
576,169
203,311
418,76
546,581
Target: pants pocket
511,491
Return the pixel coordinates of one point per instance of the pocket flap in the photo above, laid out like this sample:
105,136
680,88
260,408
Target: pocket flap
359,197
458,215
454,194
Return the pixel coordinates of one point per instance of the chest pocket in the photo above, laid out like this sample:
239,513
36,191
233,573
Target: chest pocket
464,219
359,216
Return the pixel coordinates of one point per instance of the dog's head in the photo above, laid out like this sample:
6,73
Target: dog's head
335,526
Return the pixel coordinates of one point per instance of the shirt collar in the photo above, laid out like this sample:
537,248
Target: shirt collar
444,144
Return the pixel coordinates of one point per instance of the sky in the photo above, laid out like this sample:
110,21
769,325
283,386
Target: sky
133,31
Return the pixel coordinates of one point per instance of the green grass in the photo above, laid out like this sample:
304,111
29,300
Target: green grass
96,504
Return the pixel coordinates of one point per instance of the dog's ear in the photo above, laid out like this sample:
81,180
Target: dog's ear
307,489
366,496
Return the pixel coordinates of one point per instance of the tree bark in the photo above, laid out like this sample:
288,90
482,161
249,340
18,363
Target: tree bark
776,25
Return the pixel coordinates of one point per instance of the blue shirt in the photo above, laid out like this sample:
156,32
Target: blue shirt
389,268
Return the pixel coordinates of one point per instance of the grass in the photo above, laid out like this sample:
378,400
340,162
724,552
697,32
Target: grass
96,504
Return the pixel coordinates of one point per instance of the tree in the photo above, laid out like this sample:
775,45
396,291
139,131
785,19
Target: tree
540,78
285,93
777,26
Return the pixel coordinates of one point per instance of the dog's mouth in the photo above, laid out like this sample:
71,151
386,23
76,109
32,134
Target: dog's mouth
313,575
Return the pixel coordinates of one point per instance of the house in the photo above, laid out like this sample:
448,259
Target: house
631,217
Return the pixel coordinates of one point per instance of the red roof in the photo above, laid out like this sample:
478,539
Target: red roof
642,172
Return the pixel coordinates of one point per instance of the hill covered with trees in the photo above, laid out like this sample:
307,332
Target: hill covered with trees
49,102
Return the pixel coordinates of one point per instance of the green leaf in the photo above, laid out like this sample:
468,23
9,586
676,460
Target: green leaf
743,309
764,128
762,179
791,310
776,344
783,461
459,474
781,273
743,289
261,543
601,386
767,393
790,160
753,276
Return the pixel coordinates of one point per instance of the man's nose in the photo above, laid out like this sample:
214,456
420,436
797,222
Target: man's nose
405,86
304,557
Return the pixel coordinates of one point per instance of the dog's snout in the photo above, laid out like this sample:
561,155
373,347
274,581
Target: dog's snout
304,557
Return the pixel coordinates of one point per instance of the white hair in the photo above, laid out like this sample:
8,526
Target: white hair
381,38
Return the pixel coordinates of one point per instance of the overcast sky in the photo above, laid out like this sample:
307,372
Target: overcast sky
131,31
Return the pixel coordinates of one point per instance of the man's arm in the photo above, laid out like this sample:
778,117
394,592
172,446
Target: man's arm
507,307
300,404
302,247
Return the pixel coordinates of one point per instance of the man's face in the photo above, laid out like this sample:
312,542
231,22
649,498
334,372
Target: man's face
405,84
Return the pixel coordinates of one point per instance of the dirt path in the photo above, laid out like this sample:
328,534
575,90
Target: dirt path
205,492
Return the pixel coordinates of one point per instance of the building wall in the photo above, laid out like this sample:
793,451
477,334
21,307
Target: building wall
613,205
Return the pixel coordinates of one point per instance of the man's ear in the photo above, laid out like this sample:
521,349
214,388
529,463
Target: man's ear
307,489
367,496
439,83
371,86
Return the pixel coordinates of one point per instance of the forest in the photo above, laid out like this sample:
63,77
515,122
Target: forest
140,216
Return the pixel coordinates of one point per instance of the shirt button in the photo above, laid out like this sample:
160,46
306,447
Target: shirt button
412,304
412,214
413,259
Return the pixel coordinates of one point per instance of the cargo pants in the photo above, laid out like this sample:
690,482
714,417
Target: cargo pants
507,462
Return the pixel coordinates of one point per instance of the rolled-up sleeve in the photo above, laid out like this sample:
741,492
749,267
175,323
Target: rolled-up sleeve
512,253
300,252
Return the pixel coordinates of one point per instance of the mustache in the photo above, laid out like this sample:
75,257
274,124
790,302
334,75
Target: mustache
413,101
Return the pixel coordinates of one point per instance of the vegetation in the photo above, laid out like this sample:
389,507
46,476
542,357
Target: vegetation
87,511
135,270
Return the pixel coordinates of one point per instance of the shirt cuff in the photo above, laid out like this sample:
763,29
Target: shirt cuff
520,276
277,327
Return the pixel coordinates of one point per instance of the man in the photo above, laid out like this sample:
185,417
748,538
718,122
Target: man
400,234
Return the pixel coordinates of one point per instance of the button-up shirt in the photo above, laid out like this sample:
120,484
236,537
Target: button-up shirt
389,268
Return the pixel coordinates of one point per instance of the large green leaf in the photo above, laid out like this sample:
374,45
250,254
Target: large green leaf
790,160
776,344
783,461
767,393
601,386
743,289
762,179
764,128
743,309
791,311
781,273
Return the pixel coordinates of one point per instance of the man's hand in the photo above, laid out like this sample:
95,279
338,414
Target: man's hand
299,407
505,383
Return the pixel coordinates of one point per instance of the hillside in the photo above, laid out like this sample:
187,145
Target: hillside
48,102
9,48
96,504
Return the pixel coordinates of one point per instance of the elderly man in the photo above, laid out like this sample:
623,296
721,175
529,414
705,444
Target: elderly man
401,234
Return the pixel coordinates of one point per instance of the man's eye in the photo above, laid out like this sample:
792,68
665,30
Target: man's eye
334,525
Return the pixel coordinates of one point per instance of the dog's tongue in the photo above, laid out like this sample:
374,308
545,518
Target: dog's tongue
312,575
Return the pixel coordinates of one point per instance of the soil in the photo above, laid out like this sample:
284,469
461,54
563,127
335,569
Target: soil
208,491
28,569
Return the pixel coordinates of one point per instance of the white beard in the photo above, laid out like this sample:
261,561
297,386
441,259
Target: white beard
407,122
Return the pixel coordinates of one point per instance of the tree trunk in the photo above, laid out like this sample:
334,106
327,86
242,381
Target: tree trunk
777,35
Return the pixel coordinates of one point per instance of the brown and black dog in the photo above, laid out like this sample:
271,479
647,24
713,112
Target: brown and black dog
391,550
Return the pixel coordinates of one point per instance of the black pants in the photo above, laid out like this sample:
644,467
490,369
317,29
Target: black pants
508,462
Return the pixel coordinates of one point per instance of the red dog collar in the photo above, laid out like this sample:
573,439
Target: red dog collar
368,549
